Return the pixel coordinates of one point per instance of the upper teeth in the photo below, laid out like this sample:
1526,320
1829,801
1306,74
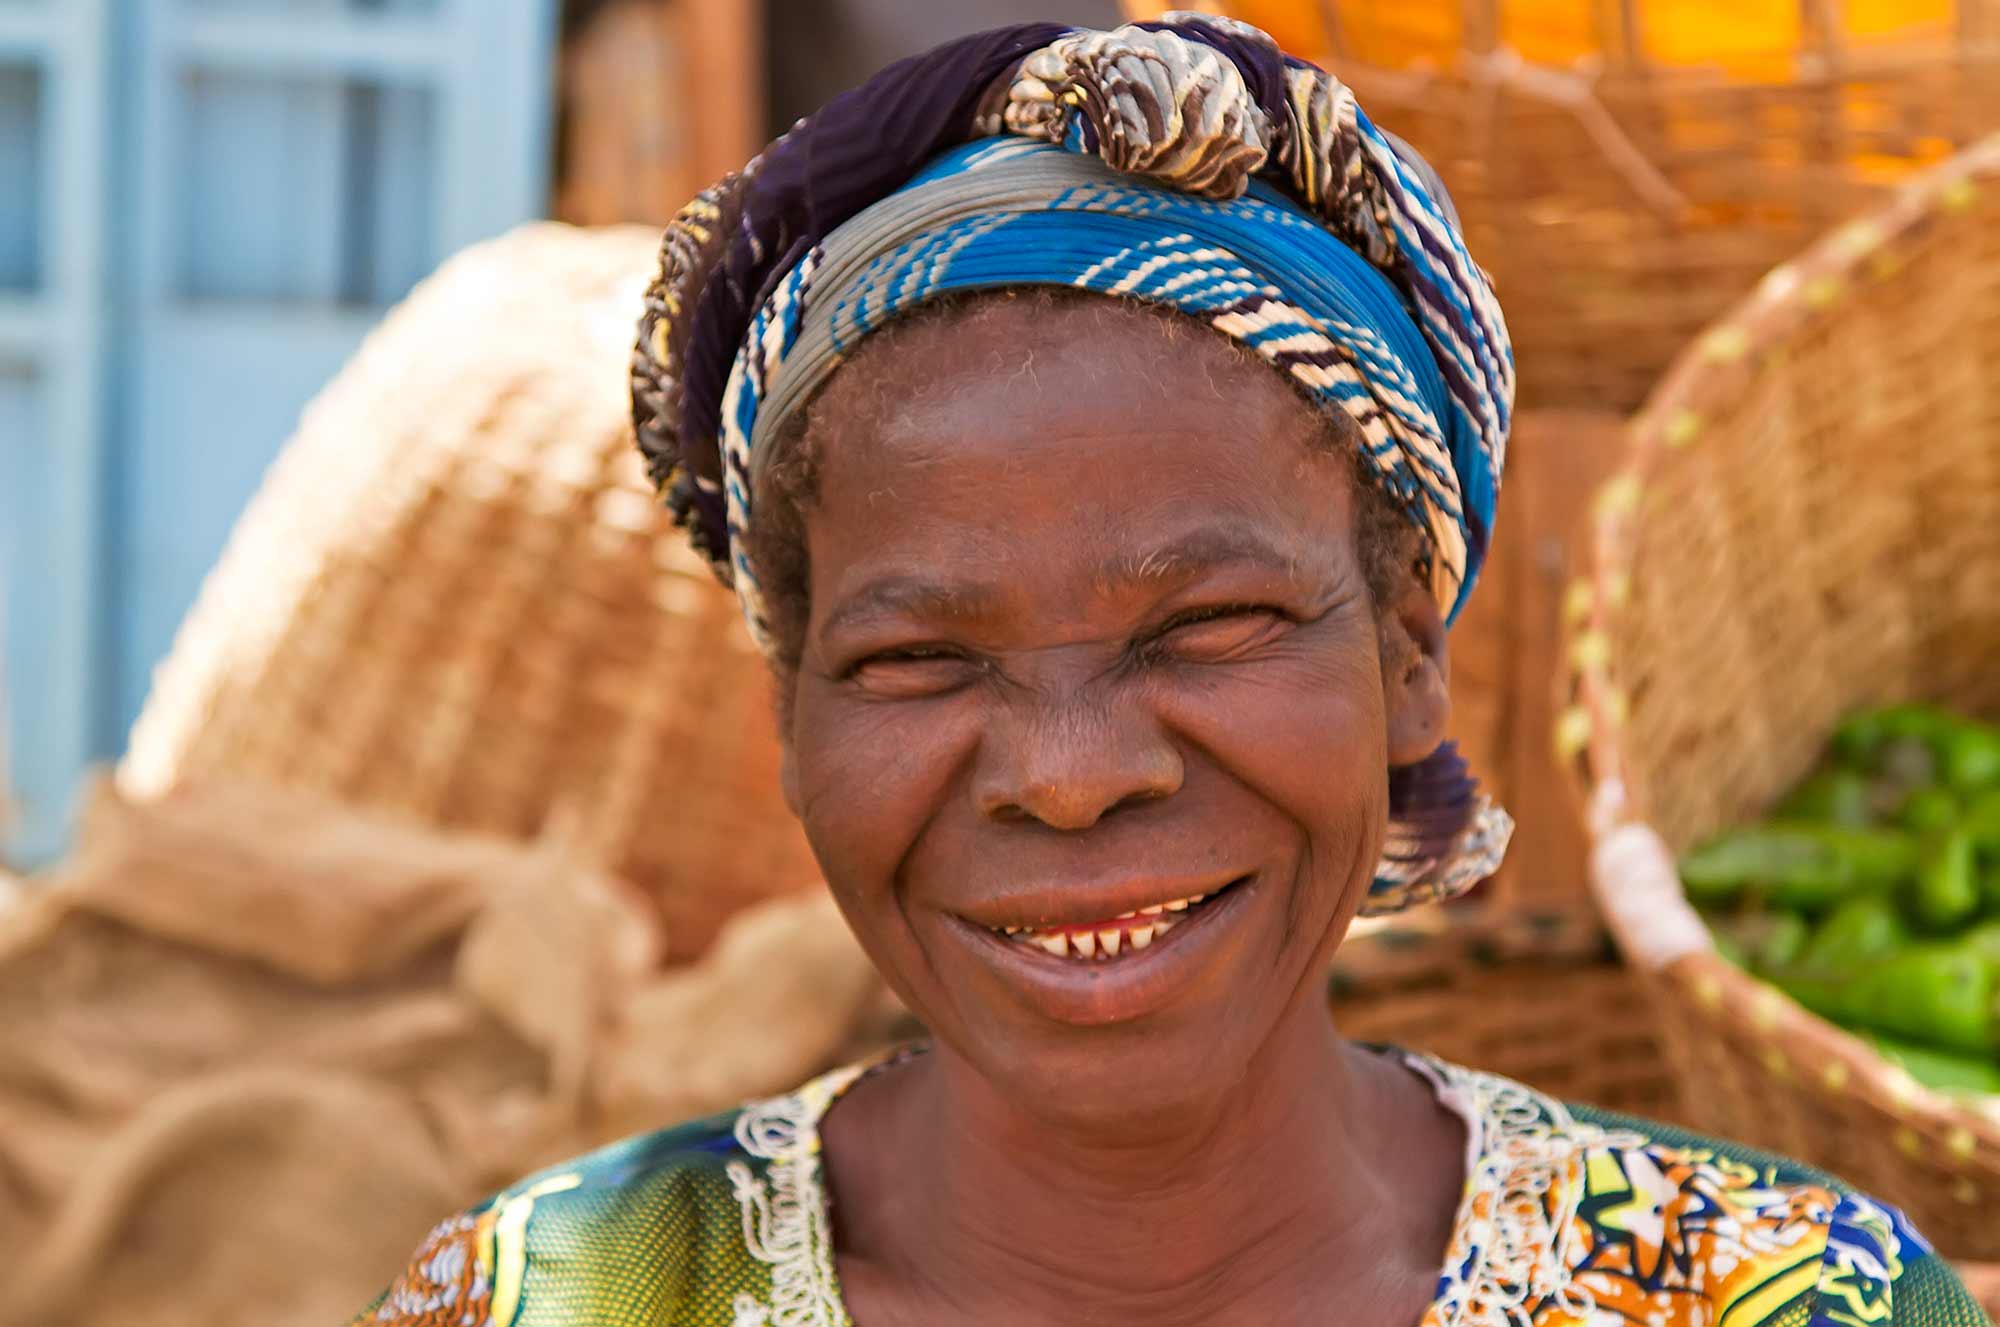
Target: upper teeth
1151,910
1136,929
1100,944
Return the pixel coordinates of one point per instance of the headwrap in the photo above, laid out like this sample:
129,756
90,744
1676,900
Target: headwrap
1187,163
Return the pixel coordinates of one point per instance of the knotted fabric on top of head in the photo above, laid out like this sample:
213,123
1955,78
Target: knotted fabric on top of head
1187,163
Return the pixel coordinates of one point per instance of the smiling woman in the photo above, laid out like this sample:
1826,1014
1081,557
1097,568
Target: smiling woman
1101,430
1097,643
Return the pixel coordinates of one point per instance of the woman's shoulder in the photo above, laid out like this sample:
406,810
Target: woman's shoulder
1659,1224
1772,1233
627,1234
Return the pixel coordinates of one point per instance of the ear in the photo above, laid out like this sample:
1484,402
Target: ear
1416,674
788,774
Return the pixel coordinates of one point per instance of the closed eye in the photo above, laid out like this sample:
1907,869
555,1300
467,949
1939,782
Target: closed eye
1214,632
912,670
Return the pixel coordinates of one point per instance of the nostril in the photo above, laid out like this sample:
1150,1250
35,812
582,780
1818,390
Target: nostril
1070,809
1012,813
1140,796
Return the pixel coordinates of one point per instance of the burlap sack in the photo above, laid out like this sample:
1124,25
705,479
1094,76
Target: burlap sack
237,1081
555,965
363,894
784,985
238,1199
251,1047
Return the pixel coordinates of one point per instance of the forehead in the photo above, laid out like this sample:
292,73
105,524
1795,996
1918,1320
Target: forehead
1066,438
1082,360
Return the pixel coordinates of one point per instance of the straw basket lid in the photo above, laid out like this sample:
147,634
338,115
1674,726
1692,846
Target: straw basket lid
1808,521
456,598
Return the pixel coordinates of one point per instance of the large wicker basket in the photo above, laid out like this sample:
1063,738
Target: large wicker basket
1498,988
456,598
1809,521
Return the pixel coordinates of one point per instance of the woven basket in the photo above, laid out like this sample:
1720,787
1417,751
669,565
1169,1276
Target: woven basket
455,598
1498,988
1628,170
1808,521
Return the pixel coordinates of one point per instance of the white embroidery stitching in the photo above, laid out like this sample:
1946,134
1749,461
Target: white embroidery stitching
785,1221
1519,1253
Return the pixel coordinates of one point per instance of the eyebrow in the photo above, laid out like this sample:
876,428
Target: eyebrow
1175,561
910,596
1186,556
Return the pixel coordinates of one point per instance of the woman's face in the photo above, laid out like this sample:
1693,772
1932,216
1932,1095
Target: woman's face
1088,637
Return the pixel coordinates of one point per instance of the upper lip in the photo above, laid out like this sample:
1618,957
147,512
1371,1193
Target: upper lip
1080,904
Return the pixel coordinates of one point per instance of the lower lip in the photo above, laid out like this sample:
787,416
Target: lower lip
1093,992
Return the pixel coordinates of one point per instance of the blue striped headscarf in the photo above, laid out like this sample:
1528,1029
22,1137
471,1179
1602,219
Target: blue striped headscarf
1186,163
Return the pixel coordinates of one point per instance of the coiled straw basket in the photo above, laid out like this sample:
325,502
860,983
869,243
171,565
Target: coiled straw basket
455,598
1808,521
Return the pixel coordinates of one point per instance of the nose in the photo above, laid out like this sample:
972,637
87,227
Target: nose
1070,764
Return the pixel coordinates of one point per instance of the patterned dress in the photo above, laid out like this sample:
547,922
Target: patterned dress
1571,1217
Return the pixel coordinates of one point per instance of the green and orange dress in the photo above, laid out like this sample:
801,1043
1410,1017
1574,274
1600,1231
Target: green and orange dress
1570,1217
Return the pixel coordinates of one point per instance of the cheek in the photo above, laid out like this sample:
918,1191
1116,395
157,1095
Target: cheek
1306,734
870,777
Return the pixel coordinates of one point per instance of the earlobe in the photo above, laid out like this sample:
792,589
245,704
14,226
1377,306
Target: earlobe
1416,683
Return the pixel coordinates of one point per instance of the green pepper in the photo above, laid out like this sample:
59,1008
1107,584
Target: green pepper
1971,756
1916,744
1825,996
1857,738
1861,740
1919,719
1982,820
1834,796
1764,941
1939,1069
1947,886
1880,858
1863,928
1983,939
1928,810
1940,994
1806,868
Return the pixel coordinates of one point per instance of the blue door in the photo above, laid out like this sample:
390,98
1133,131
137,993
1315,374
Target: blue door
53,190
270,176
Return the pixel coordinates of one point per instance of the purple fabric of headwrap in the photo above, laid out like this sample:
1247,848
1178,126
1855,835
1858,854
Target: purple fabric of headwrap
859,147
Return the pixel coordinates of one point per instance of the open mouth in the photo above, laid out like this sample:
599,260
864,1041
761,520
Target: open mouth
1127,933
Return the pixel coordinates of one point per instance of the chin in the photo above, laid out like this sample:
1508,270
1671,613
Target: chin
1119,1076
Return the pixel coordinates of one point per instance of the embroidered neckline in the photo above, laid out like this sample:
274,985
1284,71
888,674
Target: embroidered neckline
1511,1238
786,1223
1515,1239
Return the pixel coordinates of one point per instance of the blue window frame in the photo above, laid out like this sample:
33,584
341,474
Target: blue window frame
204,205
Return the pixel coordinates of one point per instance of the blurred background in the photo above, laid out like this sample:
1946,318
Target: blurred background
207,204
388,798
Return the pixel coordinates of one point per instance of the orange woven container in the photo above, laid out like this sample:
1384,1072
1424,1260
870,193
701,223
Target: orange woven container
1808,521
456,598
